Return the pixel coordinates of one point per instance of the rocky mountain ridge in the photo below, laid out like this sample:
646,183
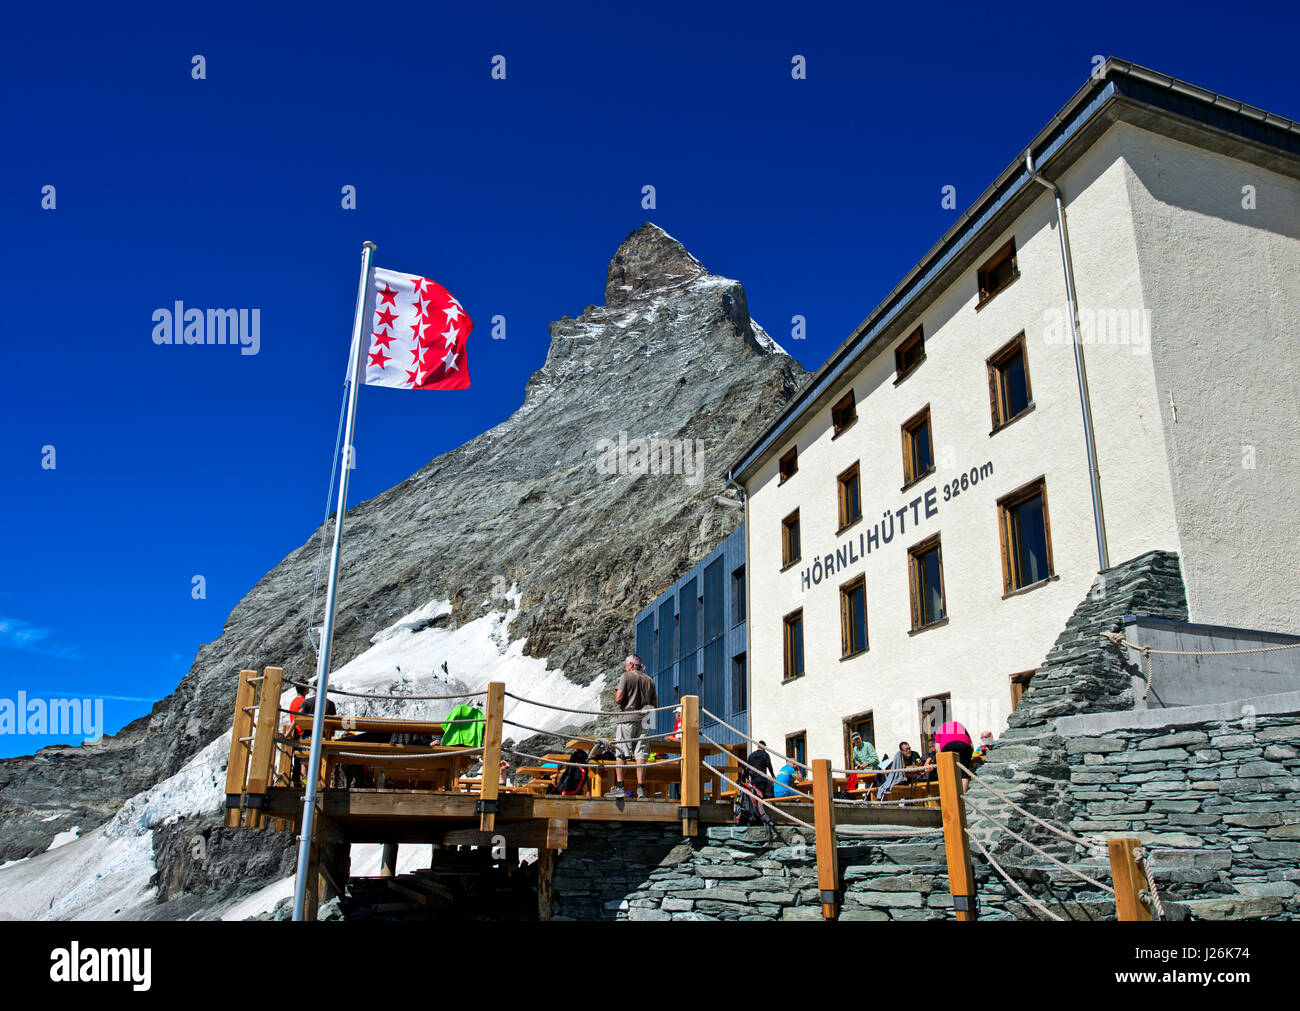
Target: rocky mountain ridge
672,355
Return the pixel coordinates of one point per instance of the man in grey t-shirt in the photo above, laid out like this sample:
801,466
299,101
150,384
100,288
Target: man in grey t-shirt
636,697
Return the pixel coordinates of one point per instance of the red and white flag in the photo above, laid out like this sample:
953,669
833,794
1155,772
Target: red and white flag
416,336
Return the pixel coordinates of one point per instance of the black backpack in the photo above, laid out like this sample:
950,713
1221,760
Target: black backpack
747,808
571,781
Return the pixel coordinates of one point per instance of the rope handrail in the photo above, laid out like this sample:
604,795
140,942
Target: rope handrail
784,814
1117,638
753,740
566,737
1067,836
587,712
885,830
867,802
604,766
345,717
1007,878
771,779
1039,850
398,698
304,746
1140,856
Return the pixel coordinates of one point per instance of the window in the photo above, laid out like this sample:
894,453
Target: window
844,413
918,447
796,747
739,685
925,562
738,596
794,644
850,495
790,540
1026,537
789,465
998,272
935,712
861,723
909,355
1019,682
1009,394
853,617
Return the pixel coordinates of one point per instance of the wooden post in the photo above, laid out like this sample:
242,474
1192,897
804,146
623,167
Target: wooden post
1128,879
961,877
388,861
283,777
237,766
691,771
828,858
545,889
259,766
487,805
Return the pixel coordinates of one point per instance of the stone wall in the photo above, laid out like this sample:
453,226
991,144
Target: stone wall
1216,800
630,872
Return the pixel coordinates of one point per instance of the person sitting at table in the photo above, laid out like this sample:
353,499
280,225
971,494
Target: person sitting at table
864,755
930,765
904,759
785,780
677,725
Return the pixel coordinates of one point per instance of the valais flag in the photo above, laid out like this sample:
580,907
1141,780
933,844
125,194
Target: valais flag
416,336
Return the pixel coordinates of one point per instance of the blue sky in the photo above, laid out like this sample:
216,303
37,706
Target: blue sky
172,462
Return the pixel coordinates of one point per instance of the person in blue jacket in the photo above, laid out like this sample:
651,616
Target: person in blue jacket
785,780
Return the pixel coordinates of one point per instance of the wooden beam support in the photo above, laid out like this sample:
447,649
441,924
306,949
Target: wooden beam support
961,878
691,772
264,732
1128,879
496,701
545,888
557,834
388,860
237,766
828,860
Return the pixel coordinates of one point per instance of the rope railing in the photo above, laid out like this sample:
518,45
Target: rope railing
1039,850
1147,651
1067,836
754,740
1009,880
586,712
393,698
886,830
770,779
565,737
604,766
1151,894
373,757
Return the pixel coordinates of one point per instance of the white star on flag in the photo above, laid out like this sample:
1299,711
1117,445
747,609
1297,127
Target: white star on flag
399,312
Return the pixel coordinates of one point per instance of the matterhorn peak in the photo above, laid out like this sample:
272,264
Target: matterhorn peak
647,259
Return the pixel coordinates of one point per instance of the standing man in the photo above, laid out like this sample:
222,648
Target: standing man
763,778
636,697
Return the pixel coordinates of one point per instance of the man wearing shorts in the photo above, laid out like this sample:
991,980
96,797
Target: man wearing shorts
636,697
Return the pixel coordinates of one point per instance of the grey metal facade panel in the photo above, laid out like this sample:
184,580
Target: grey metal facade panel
689,664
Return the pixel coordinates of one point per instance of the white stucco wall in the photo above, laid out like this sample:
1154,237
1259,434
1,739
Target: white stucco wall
987,638
1222,285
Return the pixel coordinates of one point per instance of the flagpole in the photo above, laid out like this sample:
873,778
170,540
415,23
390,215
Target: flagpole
331,596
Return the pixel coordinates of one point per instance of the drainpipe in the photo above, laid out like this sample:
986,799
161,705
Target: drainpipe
1099,519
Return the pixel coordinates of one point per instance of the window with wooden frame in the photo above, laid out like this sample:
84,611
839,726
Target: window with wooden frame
853,617
796,747
999,270
918,447
793,638
844,413
1026,537
859,723
909,354
790,540
925,570
1009,394
850,497
1019,682
936,710
789,465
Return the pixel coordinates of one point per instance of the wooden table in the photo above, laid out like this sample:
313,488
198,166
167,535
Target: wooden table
660,778
400,763
372,725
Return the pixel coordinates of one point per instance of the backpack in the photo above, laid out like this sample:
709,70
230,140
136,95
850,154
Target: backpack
572,779
748,810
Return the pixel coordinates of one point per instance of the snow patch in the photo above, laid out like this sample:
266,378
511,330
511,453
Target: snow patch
63,838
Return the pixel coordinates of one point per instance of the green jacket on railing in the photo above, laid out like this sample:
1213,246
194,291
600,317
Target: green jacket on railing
459,732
